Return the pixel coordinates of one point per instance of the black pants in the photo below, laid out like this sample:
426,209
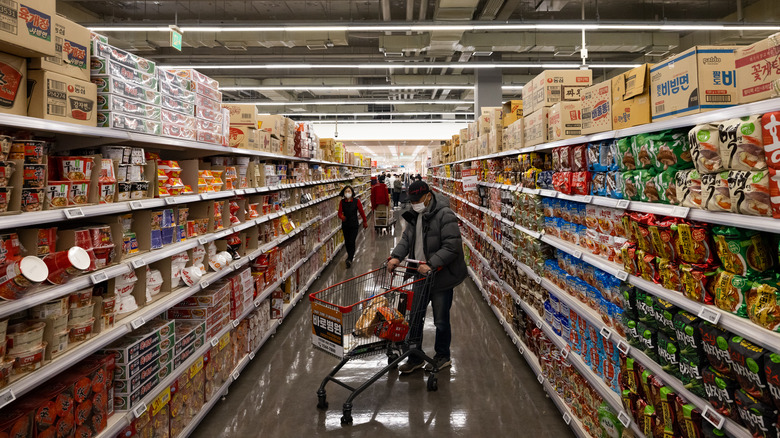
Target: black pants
396,198
350,235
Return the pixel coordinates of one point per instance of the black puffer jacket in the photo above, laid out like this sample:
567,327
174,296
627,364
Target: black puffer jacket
443,245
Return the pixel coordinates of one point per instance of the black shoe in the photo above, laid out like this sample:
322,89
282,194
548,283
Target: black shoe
349,264
441,363
410,366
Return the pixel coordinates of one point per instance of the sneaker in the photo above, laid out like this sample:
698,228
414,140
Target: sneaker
441,363
349,264
410,366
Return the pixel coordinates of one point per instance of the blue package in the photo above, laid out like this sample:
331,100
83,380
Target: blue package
598,184
615,185
612,152
156,239
594,158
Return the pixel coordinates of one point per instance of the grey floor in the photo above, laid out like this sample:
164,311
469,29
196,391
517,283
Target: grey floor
489,391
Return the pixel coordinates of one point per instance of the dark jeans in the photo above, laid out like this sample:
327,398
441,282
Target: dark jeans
350,235
396,198
442,302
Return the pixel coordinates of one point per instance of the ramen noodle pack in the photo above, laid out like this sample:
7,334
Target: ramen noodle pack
741,144
715,192
749,191
730,292
763,304
706,148
689,188
696,279
742,252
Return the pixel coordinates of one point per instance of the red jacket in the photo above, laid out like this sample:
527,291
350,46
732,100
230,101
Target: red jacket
379,195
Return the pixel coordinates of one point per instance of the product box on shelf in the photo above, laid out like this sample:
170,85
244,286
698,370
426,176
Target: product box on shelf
564,120
28,27
757,66
553,86
631,98
535,127
118,104
244,137
61,98
512,111
242,114
528,101
109,119
273,124
597,108
72,44
127,59
13,88
699,79
119,86
489,120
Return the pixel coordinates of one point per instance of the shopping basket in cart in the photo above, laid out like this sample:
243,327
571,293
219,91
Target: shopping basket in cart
383,218
374,313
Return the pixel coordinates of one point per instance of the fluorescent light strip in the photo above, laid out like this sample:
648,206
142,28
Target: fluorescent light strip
572,27
349,122
364,102
392,66
358,87
422,113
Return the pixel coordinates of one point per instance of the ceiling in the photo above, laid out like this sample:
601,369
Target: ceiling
288,67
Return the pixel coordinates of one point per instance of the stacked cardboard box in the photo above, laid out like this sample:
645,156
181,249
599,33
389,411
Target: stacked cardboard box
208,100
244,132
544,91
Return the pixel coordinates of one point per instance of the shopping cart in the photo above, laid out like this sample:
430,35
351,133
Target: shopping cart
377,312
383,218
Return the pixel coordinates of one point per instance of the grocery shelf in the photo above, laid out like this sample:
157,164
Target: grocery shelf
114,136
717,115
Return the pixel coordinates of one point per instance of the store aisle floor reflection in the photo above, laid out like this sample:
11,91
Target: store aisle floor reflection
489,391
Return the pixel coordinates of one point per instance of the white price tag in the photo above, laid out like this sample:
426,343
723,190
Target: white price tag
98,278
74,213
709,315
623,347
235,323
6,397
170,200
139,410
587,199
235,375
623,204
204,284
539,323
624,419
239,192
214,342
577,254
138,263
538,279
520,349
565,352
567,418
204,196
203,240
622,275
713,417
681,212
605,333
136,205
138,322
257,303
540,378
251,355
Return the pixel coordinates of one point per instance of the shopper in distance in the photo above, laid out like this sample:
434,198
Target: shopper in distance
397,189
433,237
348,213
379,196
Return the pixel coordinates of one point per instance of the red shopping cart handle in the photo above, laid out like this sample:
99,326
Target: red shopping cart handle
419,263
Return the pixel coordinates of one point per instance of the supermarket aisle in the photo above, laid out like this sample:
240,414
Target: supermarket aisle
488,391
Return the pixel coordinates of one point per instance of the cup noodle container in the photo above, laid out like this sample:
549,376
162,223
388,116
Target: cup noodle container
64,265
20,276
24,336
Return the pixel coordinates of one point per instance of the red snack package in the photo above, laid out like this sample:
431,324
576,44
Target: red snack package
641,231
648,267
693,243
629,258
770,123
696,279
564,158
662,237
562,182
579,158
580,183
774,191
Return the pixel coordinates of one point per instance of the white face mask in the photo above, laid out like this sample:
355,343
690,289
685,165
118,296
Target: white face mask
419,208
348,195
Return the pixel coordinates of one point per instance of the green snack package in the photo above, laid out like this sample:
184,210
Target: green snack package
664,312
764,304
611,427
648,339
686,329
672,151
666,185
646,189
743,252
668,354
729,292
630,189
691,369
644,151
625,158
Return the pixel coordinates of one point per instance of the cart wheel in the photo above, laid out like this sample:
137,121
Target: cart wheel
433,383
391,358
346,419
322,403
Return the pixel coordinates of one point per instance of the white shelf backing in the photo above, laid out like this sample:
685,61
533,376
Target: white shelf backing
692,120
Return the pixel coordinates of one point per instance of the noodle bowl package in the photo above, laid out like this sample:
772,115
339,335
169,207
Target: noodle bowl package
706,149
749,192
741,144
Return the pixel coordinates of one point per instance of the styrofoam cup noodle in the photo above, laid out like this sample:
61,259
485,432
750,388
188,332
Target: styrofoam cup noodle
217,262
227,256
21,275
191,275
64,265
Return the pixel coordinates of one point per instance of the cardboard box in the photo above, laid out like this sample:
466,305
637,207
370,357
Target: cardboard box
72,57
242,114
60,98
512,111
631,98
243,136
535,127
273,124
552,86
597,108
27,28
699,79
757,66
564,121
13,89
514,135
528,97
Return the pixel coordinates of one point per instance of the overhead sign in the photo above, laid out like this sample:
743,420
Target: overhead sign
176,38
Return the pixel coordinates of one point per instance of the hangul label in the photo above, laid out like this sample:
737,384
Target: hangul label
74,213
587,199
138,322
709,315
239,192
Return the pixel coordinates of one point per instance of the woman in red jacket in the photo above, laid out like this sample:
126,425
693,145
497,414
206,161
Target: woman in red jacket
348,213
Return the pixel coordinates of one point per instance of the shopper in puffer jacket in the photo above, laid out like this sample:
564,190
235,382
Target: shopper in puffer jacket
432,235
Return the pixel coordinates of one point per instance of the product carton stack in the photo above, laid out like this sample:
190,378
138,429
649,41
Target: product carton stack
328,148
306,143
177,103
58,86
243,127
631,98
208,105
128,97
545,90
272,129
19,40
490,135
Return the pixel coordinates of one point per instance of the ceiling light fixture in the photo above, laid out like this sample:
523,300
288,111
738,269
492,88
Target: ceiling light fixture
459,122
363,102
434,26
394,65
375,114
346,87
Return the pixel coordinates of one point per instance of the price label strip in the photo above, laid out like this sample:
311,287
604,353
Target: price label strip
565,352
138,263
235,323
713,417
235,375
138,322
623,348
74,213
540,378
251,355
171,200
622,275
98,278
605,333
214,342
709,315
624,419
139,410
6,398
622,204
204,284
136,205
567,418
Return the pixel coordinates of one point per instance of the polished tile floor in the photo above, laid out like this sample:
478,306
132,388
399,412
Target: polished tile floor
489,391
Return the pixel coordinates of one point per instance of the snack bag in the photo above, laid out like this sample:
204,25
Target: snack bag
625,153
598,186
772,372
689,188
706,149
763,304
692,242
696,279
720,390
672,151
644,151
771,138
666,185
615,186
742,252
714,341
774,191
741,144
749,192
662,237
565,158
747,360
648,266
648,191
580,183
579,158
670,273
715,192
730,292
630,186
760,418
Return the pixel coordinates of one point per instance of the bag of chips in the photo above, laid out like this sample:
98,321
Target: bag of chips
616,185
666,185
630,189
649,192
625,151
644,151
741,251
